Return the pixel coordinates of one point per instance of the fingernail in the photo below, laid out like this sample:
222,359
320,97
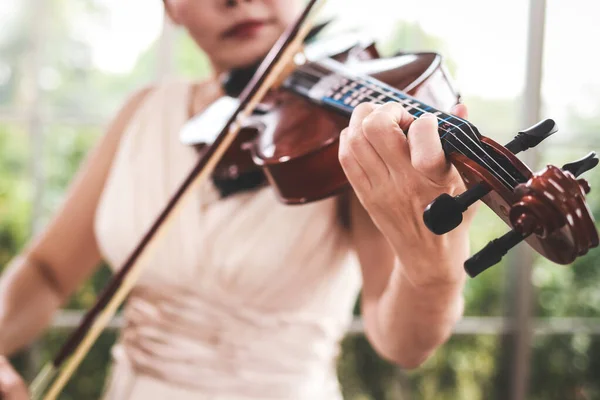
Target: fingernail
456,107
428,115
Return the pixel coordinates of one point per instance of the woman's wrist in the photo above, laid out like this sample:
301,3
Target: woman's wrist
412,320
435,307
433,262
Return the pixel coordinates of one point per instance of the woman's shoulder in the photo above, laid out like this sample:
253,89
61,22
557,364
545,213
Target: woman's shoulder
128,109
198,94
174,83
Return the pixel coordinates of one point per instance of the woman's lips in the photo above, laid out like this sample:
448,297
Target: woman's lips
245,29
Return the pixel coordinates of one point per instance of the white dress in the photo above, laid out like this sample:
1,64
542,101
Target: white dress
244,298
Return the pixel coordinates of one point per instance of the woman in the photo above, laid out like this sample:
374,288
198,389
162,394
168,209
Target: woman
246,298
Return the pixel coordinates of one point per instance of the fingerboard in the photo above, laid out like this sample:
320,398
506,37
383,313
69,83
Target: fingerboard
333,84
338,88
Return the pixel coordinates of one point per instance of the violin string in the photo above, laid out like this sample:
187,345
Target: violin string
376,89
377,101
442,129
453,134
404,102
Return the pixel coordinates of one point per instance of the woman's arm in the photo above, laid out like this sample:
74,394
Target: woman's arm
53,265
405,322
412,279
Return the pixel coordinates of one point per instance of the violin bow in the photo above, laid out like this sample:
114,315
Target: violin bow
97,318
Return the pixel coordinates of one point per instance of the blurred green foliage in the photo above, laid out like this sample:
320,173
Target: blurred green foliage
467,367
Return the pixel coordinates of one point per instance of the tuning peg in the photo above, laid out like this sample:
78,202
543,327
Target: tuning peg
492,253
582,165
445,212
532,136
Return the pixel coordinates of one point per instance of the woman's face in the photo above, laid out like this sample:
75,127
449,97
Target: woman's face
234,33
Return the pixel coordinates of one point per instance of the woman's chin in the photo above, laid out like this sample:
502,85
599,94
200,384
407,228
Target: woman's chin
245,54
242,59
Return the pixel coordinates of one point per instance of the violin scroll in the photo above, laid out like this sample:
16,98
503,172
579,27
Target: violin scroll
548,209
551,206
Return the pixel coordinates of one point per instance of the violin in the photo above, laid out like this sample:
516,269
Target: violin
293,140
283,129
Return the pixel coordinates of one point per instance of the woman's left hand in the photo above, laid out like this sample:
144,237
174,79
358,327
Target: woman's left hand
395,176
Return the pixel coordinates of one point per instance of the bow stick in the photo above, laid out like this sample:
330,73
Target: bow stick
94,322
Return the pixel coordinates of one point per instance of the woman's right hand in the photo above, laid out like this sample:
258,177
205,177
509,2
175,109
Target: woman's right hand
12,386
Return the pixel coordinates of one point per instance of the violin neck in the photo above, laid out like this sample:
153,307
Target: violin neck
335,86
